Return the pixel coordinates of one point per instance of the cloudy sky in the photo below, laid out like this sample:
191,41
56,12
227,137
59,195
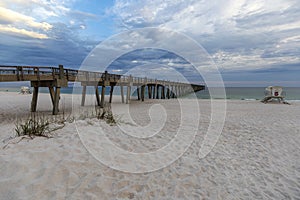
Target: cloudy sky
253,43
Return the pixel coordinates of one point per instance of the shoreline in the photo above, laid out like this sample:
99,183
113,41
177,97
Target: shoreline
200,95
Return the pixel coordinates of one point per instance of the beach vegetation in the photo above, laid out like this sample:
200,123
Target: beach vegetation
34,126
106,115
40,126
96,112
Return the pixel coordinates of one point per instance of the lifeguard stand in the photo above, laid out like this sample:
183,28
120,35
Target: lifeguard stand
274,92
25,90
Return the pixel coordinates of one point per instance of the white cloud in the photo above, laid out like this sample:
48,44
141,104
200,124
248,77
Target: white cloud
197,16
244,34
23,32
291,39
39,32
12,22
37,18
40,8
11,17
250,60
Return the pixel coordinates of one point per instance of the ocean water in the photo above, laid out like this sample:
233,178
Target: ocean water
251,93
235,93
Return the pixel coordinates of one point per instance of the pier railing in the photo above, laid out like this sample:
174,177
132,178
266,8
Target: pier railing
38,73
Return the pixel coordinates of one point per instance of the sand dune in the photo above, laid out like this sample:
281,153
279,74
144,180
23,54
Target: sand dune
256,157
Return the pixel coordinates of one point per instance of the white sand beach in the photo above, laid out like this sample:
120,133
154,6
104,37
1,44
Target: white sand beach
257,156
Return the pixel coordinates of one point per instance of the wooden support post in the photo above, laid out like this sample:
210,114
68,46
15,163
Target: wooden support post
143,93
51,91
162,92
102,96
138,93
149,91
168,92
122,93
180,91
128,94
157,92
154,91
129,83
97,95
174,91
56,101
34,99
111,93
83,95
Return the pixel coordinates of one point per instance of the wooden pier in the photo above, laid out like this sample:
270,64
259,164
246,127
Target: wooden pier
57,77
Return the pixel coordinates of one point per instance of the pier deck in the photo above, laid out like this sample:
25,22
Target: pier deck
56,77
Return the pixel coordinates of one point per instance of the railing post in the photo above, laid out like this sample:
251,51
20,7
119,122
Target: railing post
18,73
61,71
53,72
37,72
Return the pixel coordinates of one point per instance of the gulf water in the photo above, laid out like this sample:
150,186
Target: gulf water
234,93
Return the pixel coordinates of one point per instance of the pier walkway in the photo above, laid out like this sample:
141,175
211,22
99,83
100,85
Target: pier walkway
57,77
